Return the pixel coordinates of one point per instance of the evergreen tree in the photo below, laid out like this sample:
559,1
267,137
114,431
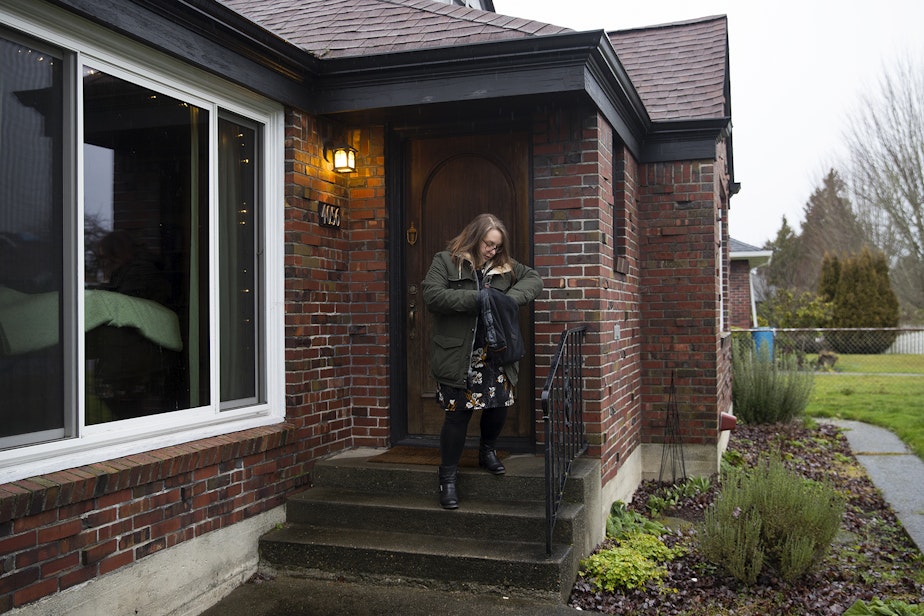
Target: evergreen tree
863,299
830,273
830,226
779,274
887,305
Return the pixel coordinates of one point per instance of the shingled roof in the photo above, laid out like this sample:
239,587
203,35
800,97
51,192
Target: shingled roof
349,28
679,69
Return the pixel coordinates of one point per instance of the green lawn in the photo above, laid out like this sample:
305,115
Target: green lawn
892,402
880,364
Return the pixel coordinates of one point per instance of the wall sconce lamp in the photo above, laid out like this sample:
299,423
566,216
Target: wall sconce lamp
343,157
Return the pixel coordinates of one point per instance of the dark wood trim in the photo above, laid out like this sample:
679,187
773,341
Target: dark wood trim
208,35
565,68
394,204
612,91
685,140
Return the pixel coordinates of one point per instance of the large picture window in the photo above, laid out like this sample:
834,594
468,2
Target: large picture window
145,237
134,212
33,285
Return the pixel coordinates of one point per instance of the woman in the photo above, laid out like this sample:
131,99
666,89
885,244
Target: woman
470,378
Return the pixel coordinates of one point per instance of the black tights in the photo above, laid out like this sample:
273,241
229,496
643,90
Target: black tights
455,425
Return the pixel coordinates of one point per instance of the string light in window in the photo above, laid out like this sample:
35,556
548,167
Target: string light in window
39,57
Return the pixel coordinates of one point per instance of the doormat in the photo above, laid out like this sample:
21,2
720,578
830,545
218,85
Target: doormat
404,454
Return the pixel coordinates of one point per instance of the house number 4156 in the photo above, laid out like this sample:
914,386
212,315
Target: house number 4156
329,214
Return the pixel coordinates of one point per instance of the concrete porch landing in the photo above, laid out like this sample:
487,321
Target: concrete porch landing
370,538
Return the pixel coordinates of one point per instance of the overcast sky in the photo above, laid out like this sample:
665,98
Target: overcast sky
798,70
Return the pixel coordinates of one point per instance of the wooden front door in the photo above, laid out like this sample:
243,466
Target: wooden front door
450,181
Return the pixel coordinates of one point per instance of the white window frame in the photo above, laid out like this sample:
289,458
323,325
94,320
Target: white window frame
132,61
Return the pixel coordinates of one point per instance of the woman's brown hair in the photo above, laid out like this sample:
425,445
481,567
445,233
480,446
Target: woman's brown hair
466,243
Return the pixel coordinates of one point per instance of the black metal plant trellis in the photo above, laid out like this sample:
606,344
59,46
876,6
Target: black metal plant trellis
672,453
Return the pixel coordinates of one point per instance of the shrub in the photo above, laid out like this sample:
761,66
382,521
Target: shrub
862,296
770,517
637,559
733,544
793,309
764,390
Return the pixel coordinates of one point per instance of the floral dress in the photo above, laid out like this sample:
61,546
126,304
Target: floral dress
487,386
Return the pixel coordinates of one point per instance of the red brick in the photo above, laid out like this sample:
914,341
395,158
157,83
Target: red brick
60,564
84,574
35,592
18,542
150,548
37,555
18,579
59,531
99,518
96,553
115,562
34,521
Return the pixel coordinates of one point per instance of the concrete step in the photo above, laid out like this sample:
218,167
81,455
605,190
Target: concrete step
522,567
524,480
362,520
504,520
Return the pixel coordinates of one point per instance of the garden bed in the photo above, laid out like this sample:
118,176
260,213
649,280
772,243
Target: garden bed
871,557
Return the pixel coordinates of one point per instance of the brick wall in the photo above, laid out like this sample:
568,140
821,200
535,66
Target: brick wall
634,252
576,245
680,257
317,321
336,284
739,294
66,528
369,341
625,415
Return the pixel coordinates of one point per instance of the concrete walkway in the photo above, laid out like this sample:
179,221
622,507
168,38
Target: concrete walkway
889,463
290,596
894,469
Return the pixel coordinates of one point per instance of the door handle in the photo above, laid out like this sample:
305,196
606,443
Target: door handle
412,320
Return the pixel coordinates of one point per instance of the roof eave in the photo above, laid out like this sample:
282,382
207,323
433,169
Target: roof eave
754,258
582,64
684,139
207,34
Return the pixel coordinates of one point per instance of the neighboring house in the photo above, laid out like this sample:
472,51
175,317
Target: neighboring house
744,260
166,387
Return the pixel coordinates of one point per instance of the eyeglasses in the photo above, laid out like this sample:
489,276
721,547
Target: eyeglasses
497,248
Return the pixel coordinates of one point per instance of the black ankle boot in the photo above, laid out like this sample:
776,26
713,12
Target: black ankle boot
448,497
487,459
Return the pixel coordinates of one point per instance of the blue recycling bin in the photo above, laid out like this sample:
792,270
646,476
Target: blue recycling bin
763,340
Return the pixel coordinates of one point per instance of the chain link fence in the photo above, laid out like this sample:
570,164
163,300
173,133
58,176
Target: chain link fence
882,351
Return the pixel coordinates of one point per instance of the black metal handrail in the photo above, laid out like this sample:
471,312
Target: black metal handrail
563,413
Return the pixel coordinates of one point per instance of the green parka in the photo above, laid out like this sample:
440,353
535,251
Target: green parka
451,294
